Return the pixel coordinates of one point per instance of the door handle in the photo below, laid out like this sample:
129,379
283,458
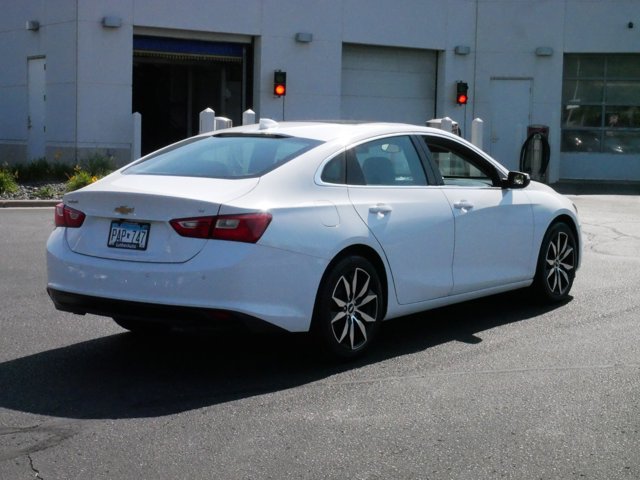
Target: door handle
463,205
380,209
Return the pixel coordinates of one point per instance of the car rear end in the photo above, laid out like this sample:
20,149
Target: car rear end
162,238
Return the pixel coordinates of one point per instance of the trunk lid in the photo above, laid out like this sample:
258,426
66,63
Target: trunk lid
127,216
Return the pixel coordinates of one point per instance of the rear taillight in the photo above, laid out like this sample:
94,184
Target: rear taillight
247,227
193,227
65,216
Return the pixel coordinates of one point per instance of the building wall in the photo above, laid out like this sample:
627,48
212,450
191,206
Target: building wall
104,74
509,31
56,40
89,68
593,26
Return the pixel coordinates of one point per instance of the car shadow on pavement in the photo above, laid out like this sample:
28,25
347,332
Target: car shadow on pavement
123,376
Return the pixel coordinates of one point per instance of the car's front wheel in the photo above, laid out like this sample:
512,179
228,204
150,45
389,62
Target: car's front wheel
557,263
349,307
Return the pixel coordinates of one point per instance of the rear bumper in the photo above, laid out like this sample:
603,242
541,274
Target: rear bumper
183,318
244,280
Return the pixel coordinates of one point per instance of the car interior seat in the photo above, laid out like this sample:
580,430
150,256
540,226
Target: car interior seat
378,171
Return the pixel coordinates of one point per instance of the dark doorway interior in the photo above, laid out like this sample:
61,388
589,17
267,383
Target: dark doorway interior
171,88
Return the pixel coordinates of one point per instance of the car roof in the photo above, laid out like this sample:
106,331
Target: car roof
326,131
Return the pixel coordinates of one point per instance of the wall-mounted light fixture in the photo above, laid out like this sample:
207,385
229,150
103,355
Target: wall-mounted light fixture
304,37
544,51
462,50
111,22
33,25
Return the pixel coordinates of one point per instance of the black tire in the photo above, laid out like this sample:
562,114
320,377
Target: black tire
349,308
557,263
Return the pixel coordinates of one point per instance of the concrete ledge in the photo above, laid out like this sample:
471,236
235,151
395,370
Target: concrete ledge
596,187
28,203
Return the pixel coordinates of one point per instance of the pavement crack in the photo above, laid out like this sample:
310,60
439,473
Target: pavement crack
35,470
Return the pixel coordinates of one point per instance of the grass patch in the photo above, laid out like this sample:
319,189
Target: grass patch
45,192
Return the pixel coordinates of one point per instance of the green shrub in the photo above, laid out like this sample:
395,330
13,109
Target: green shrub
61,171
40,170
98,165
80,178
90,170
7,182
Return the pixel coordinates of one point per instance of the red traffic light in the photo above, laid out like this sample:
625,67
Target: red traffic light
462,96
279,83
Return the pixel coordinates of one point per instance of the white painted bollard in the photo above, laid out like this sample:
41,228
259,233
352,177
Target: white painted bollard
223,122
248,117
207,120
446,124
476,132
136,144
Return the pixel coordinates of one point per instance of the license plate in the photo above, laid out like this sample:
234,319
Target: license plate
128,235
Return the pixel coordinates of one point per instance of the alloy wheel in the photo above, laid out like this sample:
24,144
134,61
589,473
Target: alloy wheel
354,309
560,263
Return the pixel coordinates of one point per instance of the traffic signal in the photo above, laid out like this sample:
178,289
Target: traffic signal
279,83
462,95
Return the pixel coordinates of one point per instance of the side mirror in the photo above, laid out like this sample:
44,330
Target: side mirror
516,180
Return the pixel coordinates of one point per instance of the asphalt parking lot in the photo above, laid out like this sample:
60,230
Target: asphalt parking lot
495,388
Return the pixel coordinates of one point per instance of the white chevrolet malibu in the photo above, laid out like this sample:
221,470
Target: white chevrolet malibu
322,227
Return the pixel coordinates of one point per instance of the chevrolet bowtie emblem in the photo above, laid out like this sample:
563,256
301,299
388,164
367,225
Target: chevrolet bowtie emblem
124,210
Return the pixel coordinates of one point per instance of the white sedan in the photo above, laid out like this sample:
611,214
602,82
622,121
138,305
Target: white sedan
322,227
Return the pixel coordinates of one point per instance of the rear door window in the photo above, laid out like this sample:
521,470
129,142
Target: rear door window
391,161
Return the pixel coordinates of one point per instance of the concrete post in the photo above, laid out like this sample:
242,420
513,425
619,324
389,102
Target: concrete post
223,122
136,144
207,120
249,117
446,124
477,127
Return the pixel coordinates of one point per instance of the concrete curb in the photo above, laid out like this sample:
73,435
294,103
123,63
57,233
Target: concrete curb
591,187
28,203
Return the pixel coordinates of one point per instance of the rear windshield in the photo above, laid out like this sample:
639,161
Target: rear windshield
224,156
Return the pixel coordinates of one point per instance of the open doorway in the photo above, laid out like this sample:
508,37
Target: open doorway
175,79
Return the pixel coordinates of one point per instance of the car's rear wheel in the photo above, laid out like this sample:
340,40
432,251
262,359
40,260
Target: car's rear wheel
557,263
349,307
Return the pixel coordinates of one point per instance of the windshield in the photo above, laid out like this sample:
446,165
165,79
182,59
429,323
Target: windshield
224,156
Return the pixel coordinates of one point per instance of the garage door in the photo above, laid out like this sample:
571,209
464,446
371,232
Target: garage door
389,84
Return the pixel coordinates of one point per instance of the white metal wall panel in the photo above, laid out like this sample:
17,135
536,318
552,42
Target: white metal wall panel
388,84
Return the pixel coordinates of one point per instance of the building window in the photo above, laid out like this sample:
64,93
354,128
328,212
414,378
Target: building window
601,103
